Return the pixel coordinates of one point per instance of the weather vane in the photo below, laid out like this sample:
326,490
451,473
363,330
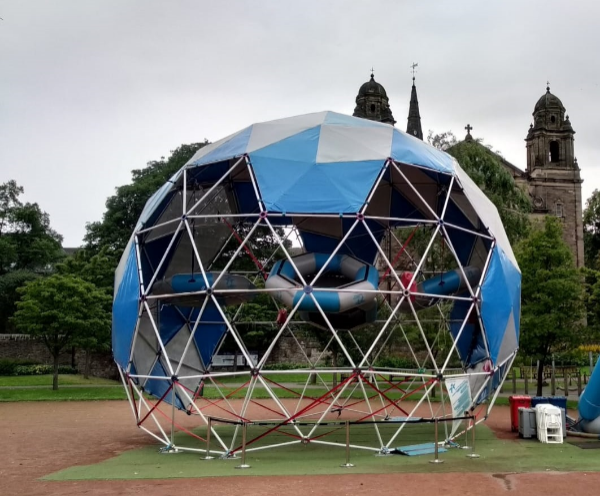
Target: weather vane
413,68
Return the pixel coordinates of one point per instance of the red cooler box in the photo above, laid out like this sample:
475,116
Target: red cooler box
515,403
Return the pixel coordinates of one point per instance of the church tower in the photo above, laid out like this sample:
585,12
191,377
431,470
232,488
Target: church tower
372,103
413,127
553,174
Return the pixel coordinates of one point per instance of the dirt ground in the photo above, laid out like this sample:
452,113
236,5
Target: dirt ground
40,438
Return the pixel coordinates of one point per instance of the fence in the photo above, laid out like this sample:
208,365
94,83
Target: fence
345,424
564,379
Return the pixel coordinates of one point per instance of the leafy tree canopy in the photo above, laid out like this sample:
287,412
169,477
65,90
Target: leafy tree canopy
551,294
125,206
62,311
591,230
29,247
27,242
486,169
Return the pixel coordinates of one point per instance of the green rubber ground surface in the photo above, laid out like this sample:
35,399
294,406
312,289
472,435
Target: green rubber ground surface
497,455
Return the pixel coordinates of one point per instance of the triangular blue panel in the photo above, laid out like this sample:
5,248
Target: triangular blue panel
234,147
353,181
277,167
330,188
497,302
301,147
410,150
125,310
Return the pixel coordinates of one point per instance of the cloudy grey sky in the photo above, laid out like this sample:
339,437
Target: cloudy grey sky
92,89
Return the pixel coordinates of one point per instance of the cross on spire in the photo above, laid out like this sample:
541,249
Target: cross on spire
547,85
372,74
468,128
413,68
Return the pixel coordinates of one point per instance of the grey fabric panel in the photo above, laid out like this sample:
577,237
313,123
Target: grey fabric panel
209,239
476,382
146,348
176,347
173,211
479,255
509,341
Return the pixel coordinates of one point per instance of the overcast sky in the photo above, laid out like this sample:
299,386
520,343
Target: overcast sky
92,89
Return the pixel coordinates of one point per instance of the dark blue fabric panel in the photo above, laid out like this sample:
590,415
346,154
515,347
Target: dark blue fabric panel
153,252
359,244
209,174
170,321
209,333
246,198
470,345
401,207
158,387
125,310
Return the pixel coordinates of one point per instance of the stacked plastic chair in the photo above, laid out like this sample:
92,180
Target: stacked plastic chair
549,424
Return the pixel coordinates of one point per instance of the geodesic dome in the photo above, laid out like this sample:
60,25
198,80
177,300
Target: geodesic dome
351,234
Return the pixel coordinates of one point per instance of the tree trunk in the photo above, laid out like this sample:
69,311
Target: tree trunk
334,364
55,376
540,377
88,364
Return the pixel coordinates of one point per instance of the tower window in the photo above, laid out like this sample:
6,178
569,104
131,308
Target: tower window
559,210
372,107
554,151
552,119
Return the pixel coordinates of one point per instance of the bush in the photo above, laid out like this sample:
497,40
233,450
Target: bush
396,362
38,369
8,365
285,366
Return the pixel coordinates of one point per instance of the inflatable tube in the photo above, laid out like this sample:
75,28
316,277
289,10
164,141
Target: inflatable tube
446,284
188,283
589,403
345,310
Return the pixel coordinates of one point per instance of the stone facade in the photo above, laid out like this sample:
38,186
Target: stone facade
22,347
552,176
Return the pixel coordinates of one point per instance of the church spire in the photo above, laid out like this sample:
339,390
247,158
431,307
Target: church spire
413,126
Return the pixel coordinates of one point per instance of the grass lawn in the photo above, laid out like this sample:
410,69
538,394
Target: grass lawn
46,380
83,393
496,456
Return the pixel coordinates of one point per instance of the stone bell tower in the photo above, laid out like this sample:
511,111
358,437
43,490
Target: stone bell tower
553,174
372,103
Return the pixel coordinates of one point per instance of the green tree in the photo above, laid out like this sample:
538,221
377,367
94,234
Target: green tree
486,169
29,247
591,230
592,303
124,208
552,297
61,311
98,270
